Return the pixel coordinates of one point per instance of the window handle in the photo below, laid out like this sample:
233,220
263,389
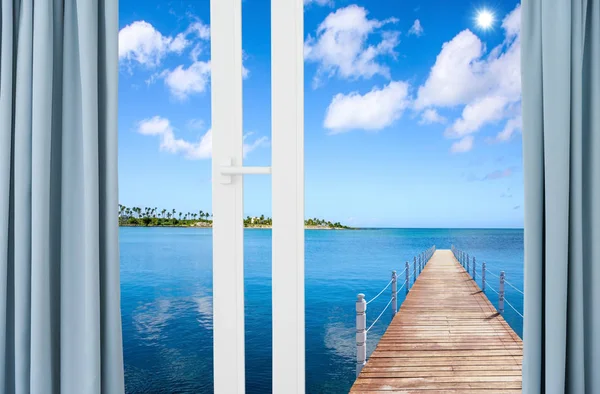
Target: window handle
227,171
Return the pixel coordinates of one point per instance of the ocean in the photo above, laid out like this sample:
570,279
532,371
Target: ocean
166,299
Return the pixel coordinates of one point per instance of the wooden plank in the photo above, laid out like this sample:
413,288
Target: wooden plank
446,338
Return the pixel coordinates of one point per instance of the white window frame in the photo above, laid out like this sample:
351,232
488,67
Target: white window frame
287,95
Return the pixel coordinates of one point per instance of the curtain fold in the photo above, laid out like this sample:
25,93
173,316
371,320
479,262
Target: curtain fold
60,321
560,57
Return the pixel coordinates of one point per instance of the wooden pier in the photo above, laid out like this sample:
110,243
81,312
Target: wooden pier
446,338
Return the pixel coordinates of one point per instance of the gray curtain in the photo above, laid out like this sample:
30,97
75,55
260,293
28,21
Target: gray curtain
561,152
60,323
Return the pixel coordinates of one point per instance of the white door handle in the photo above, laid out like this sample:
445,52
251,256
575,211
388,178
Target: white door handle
227,171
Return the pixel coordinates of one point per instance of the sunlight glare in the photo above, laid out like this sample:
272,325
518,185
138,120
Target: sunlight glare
485,19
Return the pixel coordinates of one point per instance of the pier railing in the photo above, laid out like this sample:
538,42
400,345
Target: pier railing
409,276
470,265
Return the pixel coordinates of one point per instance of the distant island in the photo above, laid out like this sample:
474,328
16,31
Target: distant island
154,217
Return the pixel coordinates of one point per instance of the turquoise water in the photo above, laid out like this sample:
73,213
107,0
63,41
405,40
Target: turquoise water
166,299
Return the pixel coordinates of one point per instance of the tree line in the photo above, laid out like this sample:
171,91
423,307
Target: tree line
137,216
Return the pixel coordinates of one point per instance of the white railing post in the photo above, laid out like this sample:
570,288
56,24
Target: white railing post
414,270
483,276
474,269
407,274
361,333
501,293
468,266
394,292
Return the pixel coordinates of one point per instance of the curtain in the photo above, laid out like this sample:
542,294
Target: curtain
561,152
60,322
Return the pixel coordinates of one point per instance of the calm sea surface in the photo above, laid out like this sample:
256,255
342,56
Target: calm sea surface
166,299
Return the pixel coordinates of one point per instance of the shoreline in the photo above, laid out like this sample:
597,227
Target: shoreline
249,227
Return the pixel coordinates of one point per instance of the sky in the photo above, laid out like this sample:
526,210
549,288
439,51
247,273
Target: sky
412,110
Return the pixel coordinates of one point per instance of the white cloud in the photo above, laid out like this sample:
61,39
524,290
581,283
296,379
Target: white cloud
476,114
154,126
196,52
430,116
201,149
159,126
140,42
455,78
195,124
487,85
183,82
512,125
249,147
416,29
340,46
463,145
374,110
200,29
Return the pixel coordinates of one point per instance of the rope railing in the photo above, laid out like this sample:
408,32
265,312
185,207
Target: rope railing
381,314
513,286
470,265
491,273
411,273
492,289
513,308
381,292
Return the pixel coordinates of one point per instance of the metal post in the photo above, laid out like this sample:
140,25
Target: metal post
361,333
501,293
394,292
483,276
407,273
468,266
420,263
474,269
414,270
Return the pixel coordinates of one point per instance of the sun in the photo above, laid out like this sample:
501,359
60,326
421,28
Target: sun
485,19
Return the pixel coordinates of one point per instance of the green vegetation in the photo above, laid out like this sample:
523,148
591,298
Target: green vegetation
262,221
152,217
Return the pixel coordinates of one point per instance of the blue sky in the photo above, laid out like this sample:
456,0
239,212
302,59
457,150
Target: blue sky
412,111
